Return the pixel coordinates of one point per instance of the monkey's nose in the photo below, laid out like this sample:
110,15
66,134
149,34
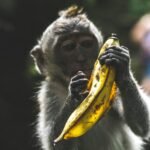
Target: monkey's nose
81,59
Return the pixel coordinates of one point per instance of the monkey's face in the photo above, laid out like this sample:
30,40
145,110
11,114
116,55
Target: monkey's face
76,52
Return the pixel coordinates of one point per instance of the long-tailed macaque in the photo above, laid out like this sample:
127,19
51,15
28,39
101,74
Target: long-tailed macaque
65,55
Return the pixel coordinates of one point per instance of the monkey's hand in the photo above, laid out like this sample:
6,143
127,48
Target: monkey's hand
77,88
77,85
119,57
134,101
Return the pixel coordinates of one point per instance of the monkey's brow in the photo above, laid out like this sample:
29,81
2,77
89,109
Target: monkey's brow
62,38
76,34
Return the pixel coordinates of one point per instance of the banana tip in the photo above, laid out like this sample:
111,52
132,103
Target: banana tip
58,139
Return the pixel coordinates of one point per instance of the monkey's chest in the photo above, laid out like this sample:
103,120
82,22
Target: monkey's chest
106,135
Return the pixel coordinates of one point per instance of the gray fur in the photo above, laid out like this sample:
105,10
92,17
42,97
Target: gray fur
122,128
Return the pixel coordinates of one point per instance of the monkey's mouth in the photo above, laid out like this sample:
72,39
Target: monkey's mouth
86,70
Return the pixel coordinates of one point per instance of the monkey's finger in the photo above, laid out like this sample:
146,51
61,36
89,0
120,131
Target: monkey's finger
81,82
109,53
122,58
79,75
81,97
77,91
124,47
121,49
84,94
114,52
113,62
116,61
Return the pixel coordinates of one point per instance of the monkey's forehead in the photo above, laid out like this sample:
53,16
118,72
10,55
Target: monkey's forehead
74,36
66,26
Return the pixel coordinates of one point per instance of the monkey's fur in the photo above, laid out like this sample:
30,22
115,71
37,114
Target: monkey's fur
124,126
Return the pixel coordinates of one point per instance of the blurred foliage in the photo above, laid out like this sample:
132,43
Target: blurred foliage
91,2
139,7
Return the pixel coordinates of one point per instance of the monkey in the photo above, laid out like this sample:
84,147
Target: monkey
65,55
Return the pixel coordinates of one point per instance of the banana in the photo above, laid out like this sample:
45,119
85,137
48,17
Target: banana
102,92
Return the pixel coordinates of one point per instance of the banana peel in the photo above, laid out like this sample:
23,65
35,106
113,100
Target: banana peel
102,92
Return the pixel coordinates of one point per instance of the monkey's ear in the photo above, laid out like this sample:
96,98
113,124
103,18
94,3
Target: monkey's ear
39,59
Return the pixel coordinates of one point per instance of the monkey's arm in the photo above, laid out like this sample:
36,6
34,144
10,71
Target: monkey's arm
136,106
135,103
58,126
75,96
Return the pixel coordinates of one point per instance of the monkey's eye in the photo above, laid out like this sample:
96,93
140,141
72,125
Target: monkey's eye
87,43
68,45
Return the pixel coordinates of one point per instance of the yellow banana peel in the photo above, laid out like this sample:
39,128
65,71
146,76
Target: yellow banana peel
102,92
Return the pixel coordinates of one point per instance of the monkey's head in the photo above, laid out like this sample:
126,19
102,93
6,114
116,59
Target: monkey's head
71,43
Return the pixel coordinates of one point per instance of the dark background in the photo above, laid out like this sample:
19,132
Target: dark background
21,24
